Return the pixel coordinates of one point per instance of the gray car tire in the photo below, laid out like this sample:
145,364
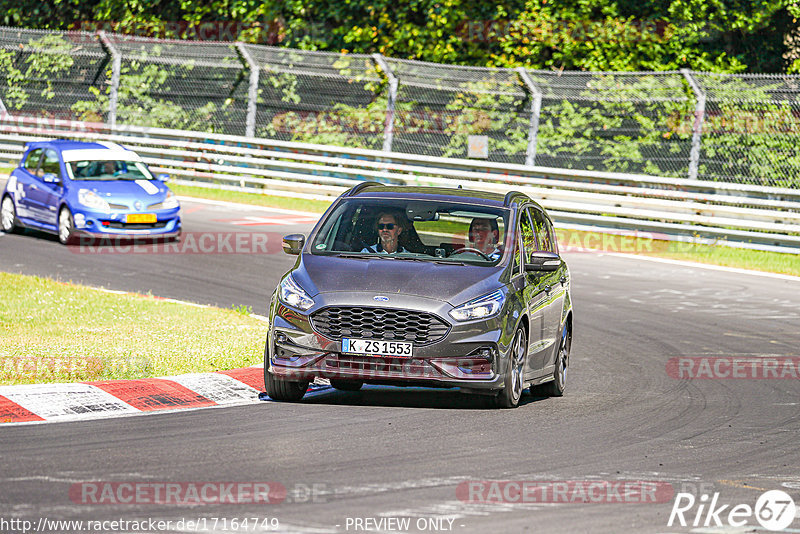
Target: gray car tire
280,389
556,387
514,383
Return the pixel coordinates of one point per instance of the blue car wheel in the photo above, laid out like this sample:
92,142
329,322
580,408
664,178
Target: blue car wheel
66,226
8,215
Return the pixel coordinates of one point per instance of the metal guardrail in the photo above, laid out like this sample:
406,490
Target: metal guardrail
740,215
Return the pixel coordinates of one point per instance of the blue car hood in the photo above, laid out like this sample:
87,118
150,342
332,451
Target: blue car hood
146,190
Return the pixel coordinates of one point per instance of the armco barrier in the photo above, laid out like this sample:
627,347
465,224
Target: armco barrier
741,215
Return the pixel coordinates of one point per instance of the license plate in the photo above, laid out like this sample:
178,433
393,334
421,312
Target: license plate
372,347
141,218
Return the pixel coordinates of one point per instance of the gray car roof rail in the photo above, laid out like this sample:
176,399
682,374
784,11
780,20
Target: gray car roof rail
358,188
510,197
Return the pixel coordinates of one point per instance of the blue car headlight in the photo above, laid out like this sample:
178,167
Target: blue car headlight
480,308
292,294
92,200
170,202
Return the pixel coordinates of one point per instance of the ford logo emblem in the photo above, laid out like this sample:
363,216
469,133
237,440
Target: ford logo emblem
381,298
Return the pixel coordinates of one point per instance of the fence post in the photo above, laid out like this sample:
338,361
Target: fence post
536,110
388,129
116,66
697,127
252,92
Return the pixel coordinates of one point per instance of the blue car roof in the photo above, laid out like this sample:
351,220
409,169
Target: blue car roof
66,144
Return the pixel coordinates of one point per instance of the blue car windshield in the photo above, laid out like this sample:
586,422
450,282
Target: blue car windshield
423,230
108,170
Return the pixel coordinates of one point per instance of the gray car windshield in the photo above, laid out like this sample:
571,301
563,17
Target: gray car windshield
422,230
109,170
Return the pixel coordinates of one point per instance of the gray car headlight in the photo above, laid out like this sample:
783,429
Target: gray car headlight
480,308
293,295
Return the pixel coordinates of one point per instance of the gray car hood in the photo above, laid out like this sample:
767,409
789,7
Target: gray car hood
454,284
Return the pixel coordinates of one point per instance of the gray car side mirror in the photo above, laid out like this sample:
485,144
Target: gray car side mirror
543,261
293,243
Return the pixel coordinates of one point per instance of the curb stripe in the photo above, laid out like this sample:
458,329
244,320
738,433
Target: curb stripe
11,412
217,387
150,394
252,376
61,402
38,403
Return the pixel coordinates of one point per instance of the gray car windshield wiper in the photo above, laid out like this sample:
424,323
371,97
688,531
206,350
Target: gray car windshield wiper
358,256
412,258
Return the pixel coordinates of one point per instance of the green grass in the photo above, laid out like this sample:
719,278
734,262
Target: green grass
313,206
757,260
58,332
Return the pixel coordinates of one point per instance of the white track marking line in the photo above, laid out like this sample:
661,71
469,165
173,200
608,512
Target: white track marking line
705,266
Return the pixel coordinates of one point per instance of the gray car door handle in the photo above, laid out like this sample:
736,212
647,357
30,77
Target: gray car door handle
563,280
547,289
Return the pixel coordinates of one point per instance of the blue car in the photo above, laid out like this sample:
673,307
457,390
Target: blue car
73,189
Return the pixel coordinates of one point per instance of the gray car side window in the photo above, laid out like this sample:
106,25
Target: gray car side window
528,236
544,231
552,232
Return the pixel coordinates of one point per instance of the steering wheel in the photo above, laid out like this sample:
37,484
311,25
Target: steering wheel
470,249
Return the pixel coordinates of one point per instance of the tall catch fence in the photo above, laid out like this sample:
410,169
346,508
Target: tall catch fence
726,128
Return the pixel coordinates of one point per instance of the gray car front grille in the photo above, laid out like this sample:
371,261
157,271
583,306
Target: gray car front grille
385,324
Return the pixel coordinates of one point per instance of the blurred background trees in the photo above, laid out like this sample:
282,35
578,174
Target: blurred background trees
759,36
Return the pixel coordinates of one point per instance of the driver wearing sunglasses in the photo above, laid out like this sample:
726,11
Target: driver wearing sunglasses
389,231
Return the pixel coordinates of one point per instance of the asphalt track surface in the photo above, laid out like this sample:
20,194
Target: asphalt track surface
402,453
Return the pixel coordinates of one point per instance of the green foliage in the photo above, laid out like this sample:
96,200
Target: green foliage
29,71
138,104
613,124
753,138
723,35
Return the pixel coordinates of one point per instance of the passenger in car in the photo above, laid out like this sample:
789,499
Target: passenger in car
484,234
389,230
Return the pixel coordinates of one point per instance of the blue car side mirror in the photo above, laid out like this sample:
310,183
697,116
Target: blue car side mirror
163,177
51,178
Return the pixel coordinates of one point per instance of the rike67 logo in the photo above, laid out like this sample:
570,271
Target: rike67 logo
774,510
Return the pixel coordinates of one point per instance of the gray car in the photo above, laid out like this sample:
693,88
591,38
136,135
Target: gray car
422,286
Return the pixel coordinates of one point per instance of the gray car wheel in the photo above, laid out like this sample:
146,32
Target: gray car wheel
8,215
280,389
515,380
66,226
559,384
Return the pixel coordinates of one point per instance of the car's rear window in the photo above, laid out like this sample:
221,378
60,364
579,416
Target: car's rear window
429,230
